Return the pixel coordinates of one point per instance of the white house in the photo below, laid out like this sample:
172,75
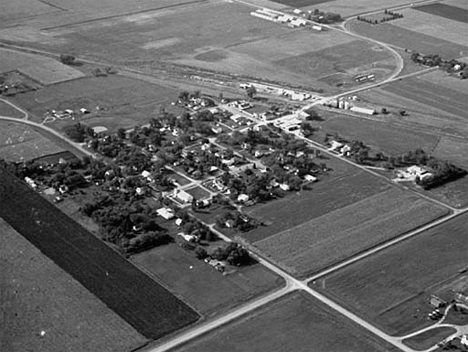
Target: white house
166,213
183,196
310,178
242,198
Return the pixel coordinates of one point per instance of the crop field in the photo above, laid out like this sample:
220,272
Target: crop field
434,26
343,233
296,322
431,94
441,78
300,3
42,69
446,11
200,285
220,36
428,338
144,304
39,296
411,40
346,8
453,193
122,101
19,142
453,150
297,209
383,136
414,269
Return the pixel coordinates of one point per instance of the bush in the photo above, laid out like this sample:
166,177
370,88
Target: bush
67,59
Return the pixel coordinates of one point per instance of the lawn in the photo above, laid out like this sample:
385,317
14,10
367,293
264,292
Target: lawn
428,338
299,208
115,101
201,286
413,269
412,40
198,193
36,295
19,142
296,322
343,233
147,306
446,11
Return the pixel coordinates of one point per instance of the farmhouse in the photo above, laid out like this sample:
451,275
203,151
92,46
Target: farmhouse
187,237
183,196
437,302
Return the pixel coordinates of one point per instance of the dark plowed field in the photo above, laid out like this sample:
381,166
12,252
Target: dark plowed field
446,11
148,307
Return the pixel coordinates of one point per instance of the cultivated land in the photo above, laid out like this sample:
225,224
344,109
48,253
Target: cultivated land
338,235
219,36
429,338
347,8
414,269
411,40
433,25
8,110
19,142
446,11
380,135
200,285
148,307
121,101
297,209
40,68
36,295
295,322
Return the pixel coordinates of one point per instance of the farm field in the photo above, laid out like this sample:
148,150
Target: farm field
115,101
346,8
453,193
343,233
108,275
19,142
427,93
443,79
296,209
296,322
434,26
411,40
414,269
39,296
200,285
40,68
380,135
428,338
447,11
219,36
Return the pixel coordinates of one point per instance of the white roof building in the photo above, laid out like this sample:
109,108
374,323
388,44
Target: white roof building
166,213
183,196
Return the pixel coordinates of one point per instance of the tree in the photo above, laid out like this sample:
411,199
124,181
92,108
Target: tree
201,253
121,133
251,91
67,59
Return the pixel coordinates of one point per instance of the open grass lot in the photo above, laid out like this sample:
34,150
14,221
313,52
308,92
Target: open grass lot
445,80
453,150
343,233
200,285
412,40
386,137
122,101
296,322
36,295
446,11
198,192
299,208
144,304
424,92
413,269
428,338
453,193
9,111
40,68
433,25
19,142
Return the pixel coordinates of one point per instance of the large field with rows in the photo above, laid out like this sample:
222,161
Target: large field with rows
296,322
335,236
147,306
413,269
37,295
